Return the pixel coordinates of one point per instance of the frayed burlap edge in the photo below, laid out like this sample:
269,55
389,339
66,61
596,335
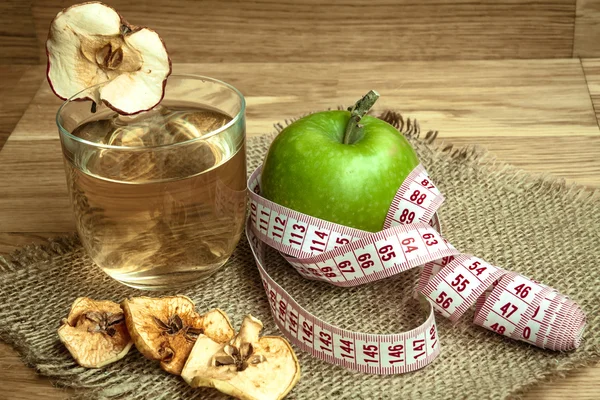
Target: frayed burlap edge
471,154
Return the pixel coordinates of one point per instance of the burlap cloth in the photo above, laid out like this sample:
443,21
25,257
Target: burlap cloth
533,225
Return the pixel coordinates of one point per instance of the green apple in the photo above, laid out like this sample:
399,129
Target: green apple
328,166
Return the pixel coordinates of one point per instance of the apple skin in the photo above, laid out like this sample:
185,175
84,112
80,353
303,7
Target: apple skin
309,169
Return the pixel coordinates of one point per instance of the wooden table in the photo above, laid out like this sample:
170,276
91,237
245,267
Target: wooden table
541,115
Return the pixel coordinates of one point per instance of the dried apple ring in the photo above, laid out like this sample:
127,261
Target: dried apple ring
91,44
94,332
166,328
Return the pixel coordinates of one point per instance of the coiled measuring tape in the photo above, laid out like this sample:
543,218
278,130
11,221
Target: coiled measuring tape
505,302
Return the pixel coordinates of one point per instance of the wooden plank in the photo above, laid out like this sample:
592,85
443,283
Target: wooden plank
581,384
591,68
468,98
378,30
34,187
9,77
573,158
18,39
23,382
286,93
18,84
33,195
460,98
587,29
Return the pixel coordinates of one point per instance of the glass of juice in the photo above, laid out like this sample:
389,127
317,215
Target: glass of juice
159,197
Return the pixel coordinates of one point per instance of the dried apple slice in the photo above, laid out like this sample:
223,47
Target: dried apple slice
166,328
94,332
90,44
248,367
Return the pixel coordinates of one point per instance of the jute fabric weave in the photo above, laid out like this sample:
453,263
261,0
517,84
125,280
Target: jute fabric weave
536,226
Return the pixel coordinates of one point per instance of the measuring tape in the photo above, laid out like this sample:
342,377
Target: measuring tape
505,302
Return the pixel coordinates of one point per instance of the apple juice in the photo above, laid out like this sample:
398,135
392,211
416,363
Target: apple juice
159,200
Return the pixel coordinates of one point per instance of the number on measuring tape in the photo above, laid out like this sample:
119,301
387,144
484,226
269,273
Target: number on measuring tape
344,348
444,261
499,326
433,340
407,213
277,226
316,240
281,309
272,299
389,252
433,240
417,349
530,332
425,181
330,271
524,288
406,216
297,233
369,258
348,266
306,332
445,300
263,218
509,308
253,212
427,184
478,268
367,353
364,259
393,353
411,245
460,283
324,340
338,240
539,315
419,195
294,233
292,321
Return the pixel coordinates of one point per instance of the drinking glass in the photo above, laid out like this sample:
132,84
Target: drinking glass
159,197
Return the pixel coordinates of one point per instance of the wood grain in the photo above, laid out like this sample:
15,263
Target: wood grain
18,382
352,30
537,115
18,84
591,69
514,97
33,183
18,41
548,156
587,29
581,384
9,78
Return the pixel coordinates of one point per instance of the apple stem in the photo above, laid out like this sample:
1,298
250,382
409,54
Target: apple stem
354,131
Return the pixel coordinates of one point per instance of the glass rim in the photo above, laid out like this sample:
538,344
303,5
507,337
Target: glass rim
223,128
